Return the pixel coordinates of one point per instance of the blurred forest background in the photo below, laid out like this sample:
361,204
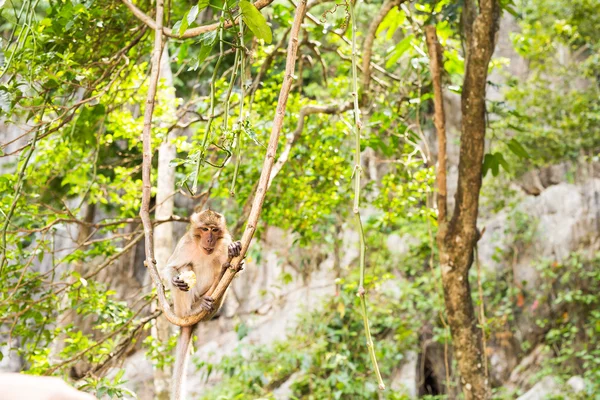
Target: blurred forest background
76,300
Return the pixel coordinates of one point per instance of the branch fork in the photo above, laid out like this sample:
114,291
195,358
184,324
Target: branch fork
199,314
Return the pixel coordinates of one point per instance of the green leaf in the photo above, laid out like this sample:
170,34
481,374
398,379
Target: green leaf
202,54
250,132
492,162
495,166
192,14
202,4
502,161
392,21
255,21
119,376
509,5
180,27
454,64
518,149
176,161
400,49
208,38
488,160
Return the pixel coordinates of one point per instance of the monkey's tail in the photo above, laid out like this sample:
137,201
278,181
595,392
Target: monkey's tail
181,357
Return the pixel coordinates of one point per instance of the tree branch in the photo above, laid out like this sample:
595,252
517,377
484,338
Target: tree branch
457,242
481,48
285,153
435,64
368,45
189,33
304,112
257,203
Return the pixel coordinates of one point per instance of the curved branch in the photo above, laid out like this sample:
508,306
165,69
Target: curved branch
189,33
368,45
262,183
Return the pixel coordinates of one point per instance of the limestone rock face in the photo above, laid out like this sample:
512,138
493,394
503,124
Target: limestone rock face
542,390
549,386
560,220
404,378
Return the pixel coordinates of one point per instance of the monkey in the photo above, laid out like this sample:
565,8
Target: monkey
205,249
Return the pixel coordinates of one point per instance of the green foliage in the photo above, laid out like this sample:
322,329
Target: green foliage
111,388
573,328
76,72
325,355
325,358
553,112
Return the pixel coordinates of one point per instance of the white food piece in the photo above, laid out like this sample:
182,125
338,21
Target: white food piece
188,277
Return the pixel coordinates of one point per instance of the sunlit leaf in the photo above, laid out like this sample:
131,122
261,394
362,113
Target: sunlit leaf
518,149
400,49
192,14
255,21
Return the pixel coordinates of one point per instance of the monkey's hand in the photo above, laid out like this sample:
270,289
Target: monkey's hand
207,303
227,265
235,249
180,284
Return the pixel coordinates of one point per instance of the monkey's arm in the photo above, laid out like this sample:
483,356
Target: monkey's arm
233,250
179,262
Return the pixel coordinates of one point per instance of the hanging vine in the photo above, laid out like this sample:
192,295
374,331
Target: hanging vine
355,209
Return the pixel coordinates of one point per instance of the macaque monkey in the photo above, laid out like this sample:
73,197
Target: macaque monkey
202,253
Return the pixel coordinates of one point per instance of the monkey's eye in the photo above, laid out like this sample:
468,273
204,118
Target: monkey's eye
204,229
215,230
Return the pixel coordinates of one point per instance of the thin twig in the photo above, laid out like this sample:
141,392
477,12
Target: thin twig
189,33
13,206
357,172
211,115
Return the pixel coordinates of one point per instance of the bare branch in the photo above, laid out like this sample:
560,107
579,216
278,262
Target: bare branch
304,112
189,33
435,63
368,45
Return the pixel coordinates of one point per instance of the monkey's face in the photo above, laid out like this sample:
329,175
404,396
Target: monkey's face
208,235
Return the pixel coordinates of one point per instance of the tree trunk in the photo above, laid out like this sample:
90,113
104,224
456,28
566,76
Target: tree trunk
456,238
163,233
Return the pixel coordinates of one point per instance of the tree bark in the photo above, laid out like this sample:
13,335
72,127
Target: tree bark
436,65
456,238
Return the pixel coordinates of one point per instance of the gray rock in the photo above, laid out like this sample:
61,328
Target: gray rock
404,378
545,388
576,383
